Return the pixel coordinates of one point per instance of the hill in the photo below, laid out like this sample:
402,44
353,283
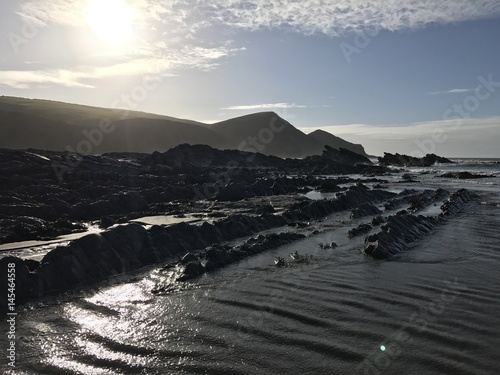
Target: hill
336,142
268,134
56,126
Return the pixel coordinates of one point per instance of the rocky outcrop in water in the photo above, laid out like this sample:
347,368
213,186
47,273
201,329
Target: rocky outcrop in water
464,175
417,200
127,247
410,161
219,256
359,230
457,202
397,234
401,230
122,249
365,210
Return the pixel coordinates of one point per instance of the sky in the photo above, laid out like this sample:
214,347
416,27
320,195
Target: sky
402,76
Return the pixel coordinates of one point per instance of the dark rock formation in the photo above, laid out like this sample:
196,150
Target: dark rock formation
219,256
410,161
457,202
352,198
124,248
424,199
397,234
378,221
464,175
359,230
329,139
44,194
365,210
401,230
416,200
22,228
344,156
333,161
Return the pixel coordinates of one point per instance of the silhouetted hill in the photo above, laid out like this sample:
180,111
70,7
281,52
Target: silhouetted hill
22,131
75,113
335,142
56,126
270,135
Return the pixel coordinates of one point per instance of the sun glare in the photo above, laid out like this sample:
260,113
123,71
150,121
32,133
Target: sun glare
111,20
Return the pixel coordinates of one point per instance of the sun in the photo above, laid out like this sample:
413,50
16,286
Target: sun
111,20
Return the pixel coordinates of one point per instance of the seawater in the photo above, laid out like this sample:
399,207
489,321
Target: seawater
432,310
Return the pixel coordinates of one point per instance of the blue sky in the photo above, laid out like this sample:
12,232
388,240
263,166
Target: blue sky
382,73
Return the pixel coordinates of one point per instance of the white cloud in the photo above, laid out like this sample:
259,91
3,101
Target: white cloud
166,64
340,16
451,138
334,17
263,106
180,31
27,79
308,16
452,91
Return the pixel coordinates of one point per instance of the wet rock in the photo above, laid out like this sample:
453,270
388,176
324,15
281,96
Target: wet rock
216,257
401,230
464,175
299,258
264,209
416,200
426,198
26,287
352,198
106,222
280,262
410,161
457,202
331,245
329,186
365,210
378,221
359,230
344,156
397,234
31,264
188,258
191,270
23,228
234,192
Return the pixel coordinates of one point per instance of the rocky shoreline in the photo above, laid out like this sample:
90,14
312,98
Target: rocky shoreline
232,194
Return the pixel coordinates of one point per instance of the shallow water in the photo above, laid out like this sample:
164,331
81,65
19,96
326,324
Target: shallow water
432,310
37,249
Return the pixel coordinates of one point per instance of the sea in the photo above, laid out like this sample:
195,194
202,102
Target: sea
434,309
